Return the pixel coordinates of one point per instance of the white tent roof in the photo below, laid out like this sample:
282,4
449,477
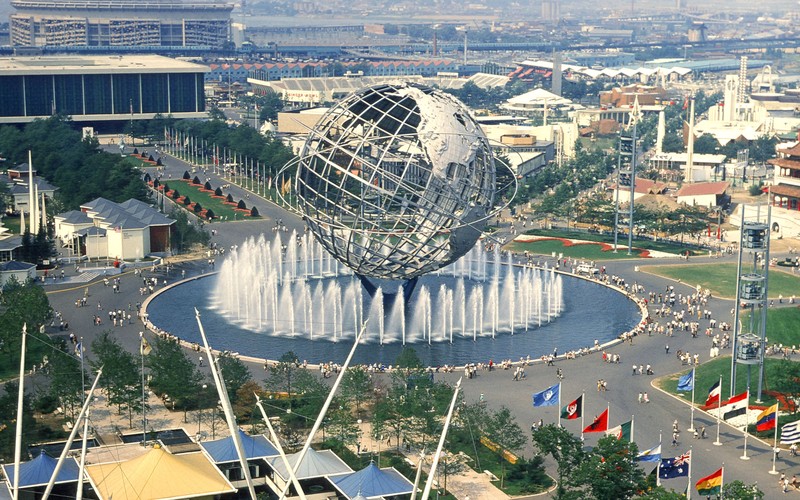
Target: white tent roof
539,96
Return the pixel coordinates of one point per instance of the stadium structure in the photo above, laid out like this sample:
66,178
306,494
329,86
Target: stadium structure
120,23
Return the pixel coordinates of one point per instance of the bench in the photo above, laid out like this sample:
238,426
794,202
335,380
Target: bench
411,463
492,477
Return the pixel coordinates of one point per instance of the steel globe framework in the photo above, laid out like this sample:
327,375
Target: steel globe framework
395,181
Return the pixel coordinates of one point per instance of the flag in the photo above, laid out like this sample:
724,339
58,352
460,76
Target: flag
713,394
600,423
767,418
686,382
736,405
710,485
651,455
79,350
675,467
144,347
548,397
790,433
573,410
622,431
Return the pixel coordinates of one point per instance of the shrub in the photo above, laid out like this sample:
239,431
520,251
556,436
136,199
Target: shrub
156,183
187,201
229,198
143,155
166,188
186,175
147,177
136,151
241,205
207,186
210,214
218,192
197,208
151,158
175,195
196,180
158,162
755,189
254,212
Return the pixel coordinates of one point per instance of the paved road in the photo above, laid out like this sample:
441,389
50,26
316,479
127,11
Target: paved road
497,387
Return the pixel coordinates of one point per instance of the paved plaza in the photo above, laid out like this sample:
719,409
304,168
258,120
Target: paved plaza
498,387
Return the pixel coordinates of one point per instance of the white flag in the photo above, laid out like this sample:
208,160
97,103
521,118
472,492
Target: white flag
790,433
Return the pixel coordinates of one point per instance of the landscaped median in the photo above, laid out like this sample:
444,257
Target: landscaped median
204,200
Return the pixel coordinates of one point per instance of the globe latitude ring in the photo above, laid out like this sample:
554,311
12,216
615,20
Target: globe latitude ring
395,180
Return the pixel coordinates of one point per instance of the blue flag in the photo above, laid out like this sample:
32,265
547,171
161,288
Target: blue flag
79,350
675,467
548,397
651,455
686,382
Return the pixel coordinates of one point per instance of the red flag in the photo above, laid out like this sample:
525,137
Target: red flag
600,423
766,420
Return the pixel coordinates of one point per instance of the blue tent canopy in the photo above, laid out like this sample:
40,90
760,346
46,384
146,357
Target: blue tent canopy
38,471
224,450
372,482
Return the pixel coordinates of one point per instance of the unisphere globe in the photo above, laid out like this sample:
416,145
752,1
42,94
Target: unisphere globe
396,181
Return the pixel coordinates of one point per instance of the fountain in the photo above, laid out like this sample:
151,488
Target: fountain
298,289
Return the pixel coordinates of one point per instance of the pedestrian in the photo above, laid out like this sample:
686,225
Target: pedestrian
201,360
703,432
641,397
646,398
666,348
634,370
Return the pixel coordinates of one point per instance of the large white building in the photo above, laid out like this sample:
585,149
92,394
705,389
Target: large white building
102,228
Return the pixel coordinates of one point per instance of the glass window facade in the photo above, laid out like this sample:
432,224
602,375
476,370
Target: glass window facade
97,91
155,93
39,95
11,96
126,93
101,94
69,94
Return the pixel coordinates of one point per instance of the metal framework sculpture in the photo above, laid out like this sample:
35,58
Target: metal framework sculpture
395,181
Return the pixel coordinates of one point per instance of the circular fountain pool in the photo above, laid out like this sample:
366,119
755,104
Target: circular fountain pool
473,312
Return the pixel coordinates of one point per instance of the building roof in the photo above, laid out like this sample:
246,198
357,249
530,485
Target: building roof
74,217
91,231
224,450
22,187
13,265
131,214
10,243
38,471
785,190
314,464
704,188
790,150
372,482
538,97
89,64
697,158
158,474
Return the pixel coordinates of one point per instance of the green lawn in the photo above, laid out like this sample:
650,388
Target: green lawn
592,251
206,200
782,325
721,278
622,241
708,373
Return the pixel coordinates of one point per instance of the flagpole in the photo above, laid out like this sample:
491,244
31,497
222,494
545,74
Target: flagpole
719,409
559,408
746,421
775,442
632,417
689,487
691,420
658,464
583,404
722,481
144,405
20,405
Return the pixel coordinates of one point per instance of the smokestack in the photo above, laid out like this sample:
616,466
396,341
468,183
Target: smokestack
555,84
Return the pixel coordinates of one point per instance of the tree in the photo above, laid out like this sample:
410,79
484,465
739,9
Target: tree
234,373
357,386
738,490
22,304
502,429
122,374
63,371
186,233
343,426
784,378
173,374
610,470
282,374
8,420
566,450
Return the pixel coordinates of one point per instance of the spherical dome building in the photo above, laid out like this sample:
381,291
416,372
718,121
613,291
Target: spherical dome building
396,180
